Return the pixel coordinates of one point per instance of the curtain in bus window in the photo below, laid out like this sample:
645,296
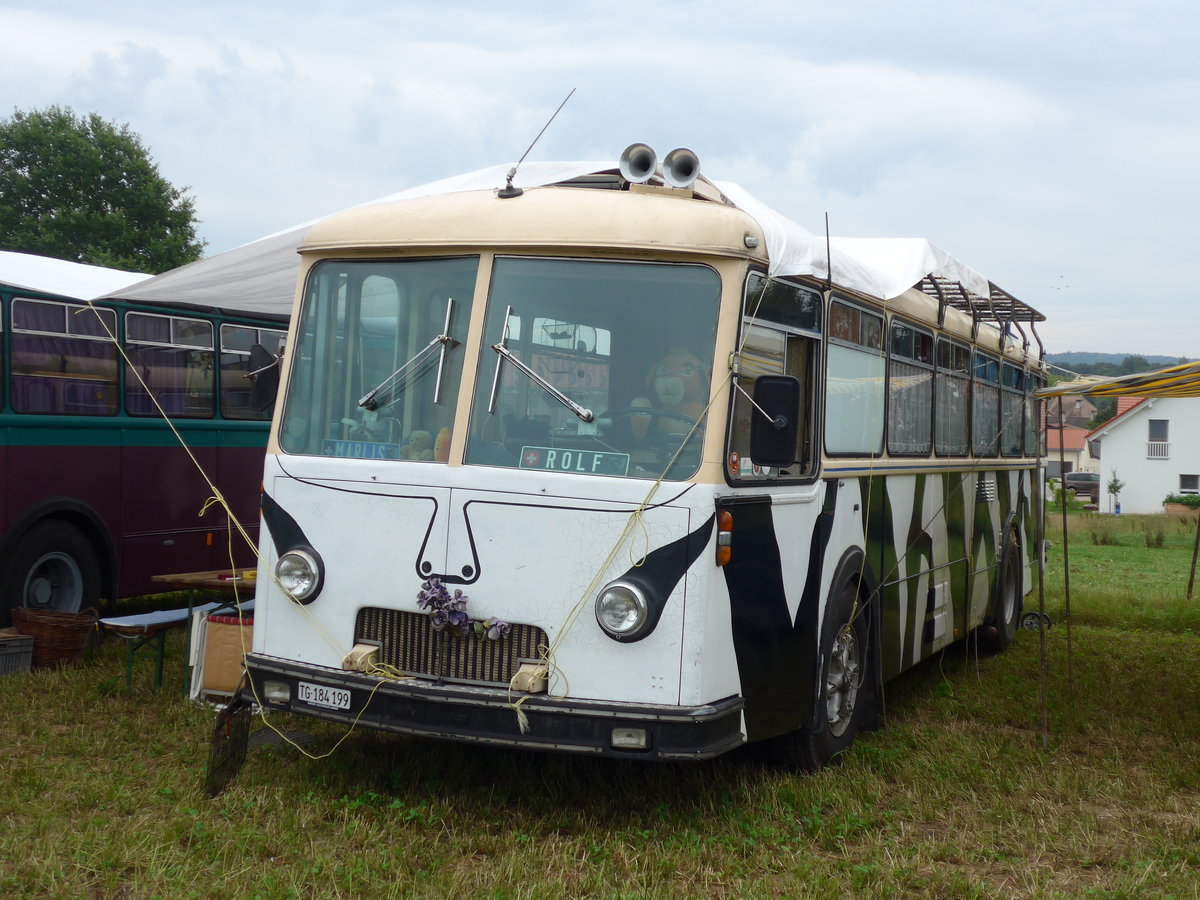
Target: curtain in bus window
910,406
173,358
854,401
180,379
1011,432
58,374
986,418
952,394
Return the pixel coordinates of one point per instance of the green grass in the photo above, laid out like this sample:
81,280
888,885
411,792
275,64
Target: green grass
962,795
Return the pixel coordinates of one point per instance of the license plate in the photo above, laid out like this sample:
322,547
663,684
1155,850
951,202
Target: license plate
320,695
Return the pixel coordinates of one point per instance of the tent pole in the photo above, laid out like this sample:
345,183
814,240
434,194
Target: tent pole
1062,464
1195,550
1041,576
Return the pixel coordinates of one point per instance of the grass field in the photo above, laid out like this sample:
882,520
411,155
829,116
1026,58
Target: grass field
102,787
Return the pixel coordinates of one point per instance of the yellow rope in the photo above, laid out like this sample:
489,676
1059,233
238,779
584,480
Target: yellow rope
232,523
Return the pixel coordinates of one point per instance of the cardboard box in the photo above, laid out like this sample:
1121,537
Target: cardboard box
222,665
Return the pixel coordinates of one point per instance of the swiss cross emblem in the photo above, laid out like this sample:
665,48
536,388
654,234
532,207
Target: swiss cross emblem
533,458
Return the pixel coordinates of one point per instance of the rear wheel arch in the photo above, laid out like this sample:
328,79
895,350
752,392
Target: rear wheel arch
77,516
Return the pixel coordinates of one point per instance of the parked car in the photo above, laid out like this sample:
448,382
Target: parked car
1084,484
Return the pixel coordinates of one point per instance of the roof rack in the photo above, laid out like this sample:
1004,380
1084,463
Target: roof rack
1001,309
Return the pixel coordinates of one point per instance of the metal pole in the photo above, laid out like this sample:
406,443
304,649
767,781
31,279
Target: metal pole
1041,572
1062,464
1195,549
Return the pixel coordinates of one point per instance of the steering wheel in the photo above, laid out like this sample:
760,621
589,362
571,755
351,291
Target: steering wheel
621,412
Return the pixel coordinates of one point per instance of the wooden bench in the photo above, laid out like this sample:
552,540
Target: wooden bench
151,628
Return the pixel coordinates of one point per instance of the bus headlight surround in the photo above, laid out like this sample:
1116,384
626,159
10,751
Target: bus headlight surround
300,574
622,611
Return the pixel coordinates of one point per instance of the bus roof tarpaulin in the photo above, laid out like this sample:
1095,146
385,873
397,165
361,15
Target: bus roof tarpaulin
260,277
26,271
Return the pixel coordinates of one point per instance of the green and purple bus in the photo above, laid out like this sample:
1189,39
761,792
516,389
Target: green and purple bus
97,495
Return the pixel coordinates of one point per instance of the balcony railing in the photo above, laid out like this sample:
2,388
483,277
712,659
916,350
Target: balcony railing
1158,449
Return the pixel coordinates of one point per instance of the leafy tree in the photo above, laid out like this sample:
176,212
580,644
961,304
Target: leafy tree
1106,408
86,190
1131,365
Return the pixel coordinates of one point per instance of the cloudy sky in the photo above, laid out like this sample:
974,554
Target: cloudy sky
1052,145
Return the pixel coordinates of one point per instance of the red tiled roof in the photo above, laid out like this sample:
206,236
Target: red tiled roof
1072,437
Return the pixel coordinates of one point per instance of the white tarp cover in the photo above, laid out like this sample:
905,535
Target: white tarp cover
260,277
28,272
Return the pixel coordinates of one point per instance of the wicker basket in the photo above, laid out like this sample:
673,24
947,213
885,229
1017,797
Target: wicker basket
58,637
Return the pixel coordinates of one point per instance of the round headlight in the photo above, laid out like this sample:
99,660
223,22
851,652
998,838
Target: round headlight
621,610
299,574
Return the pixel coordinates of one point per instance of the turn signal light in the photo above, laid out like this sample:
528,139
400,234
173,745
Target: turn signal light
724,537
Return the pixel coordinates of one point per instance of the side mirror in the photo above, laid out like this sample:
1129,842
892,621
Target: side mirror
775,425
264,377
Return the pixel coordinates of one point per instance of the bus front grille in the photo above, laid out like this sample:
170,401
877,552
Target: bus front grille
408,642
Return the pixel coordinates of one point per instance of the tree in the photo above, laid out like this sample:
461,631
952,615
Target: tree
86,190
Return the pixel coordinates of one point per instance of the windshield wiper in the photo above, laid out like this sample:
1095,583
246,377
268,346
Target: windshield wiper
584,414
441,343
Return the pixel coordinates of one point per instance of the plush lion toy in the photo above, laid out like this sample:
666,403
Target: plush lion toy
679,384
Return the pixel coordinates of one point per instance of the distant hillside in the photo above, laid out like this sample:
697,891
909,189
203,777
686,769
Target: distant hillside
1085,358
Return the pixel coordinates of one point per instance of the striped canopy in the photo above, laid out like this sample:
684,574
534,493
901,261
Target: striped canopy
1181,380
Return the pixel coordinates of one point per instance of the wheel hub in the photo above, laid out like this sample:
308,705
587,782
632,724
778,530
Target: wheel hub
842,681
54,583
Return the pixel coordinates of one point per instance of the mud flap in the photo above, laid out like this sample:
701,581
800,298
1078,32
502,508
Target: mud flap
227,744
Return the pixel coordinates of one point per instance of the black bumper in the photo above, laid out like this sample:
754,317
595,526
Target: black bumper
485,715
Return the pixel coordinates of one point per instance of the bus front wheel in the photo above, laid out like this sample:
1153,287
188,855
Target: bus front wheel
53,567
843,689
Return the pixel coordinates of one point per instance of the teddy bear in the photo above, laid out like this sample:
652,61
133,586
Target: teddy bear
418,446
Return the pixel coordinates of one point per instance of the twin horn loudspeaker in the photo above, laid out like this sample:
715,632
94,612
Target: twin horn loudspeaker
680,169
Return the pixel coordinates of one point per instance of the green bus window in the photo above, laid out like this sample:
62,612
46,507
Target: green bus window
236,341
173,358
63,360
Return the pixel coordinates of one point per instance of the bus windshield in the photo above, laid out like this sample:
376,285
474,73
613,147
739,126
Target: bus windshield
595,367
379,358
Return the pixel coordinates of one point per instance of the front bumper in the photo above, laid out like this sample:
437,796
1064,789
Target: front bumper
485,715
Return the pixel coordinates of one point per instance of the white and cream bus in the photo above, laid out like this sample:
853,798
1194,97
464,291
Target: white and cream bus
612,465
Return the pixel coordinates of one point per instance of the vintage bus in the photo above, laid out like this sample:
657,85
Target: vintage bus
606,462
96,494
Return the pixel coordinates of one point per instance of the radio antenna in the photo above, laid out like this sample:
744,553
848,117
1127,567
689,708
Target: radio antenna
508,191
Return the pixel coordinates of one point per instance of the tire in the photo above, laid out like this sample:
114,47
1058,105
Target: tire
53,567
844,686
1001,629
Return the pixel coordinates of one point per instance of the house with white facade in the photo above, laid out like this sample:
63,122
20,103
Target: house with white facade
1153,445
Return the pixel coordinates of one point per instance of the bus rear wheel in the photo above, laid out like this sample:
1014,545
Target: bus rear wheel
1001,630
843,690
54,568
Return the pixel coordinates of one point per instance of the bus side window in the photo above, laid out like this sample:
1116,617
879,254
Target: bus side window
63,360
854,390
779,338
236,343
172,359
